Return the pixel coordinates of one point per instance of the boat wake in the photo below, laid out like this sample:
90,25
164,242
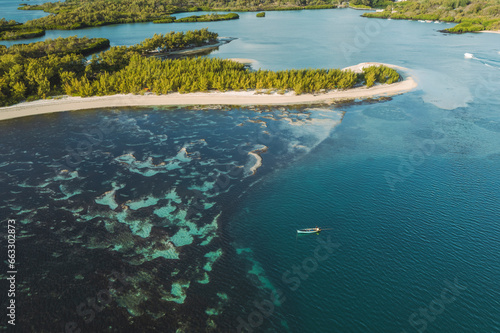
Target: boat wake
487,62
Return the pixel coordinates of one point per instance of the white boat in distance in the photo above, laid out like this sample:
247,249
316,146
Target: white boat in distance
309,230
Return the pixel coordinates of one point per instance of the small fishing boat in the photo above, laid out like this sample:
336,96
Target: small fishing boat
308,230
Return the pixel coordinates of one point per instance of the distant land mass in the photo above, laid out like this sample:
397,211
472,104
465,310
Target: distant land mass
471,15
78,14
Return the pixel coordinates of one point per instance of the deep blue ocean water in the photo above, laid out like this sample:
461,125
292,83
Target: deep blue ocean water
409,187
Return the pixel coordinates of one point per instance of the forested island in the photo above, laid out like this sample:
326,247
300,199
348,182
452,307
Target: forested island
199,18
12,30
59,46
78,14
471,15
37,70
369,4
209,18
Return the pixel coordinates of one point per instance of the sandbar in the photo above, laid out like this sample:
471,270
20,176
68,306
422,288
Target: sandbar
69,103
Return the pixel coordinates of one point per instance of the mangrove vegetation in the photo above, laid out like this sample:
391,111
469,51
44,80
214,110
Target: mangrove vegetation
209,18
175,41
12,30
368,4
59,46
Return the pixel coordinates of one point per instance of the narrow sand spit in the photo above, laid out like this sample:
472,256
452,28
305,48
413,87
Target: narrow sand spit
67,103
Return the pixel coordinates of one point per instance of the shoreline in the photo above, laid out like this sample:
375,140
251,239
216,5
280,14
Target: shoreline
491,31
193,50
69,103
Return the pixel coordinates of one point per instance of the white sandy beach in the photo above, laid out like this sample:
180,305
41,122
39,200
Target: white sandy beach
491,31
67,103
244,60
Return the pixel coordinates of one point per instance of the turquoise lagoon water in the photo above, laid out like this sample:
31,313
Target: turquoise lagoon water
408,185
